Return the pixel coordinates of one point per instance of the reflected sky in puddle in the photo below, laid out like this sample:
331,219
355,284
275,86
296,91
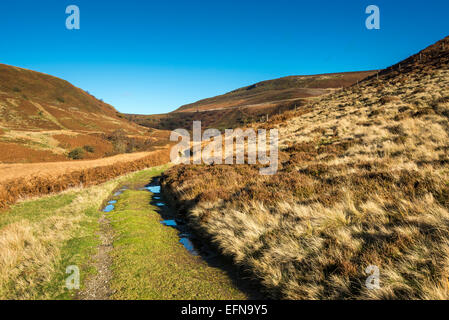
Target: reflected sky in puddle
112,202
154,189
169,223
188,245
109,208
184,237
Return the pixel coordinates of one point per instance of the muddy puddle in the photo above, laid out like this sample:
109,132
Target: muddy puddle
169,220
111,204
194,245
185,238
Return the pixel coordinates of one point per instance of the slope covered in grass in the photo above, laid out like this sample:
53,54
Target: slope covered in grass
31,100
45,119
292,87
363,180
250,104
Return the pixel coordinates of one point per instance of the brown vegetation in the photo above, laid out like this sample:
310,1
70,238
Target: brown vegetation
287,88
363,180
31,100
101,146
54,181
17,153
217,119
43,118
250,104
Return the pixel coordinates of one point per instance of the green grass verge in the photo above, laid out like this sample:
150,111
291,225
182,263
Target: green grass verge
148,260
48,241
40,238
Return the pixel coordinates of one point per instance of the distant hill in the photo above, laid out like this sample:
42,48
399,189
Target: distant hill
287,88
44,118
252,103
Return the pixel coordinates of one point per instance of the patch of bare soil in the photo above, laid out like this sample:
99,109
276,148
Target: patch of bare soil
97,287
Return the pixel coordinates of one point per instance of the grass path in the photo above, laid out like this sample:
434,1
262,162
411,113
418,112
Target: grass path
149,262
127,254
40,238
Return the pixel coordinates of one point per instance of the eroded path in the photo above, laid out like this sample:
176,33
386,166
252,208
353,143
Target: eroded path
97,287
146,253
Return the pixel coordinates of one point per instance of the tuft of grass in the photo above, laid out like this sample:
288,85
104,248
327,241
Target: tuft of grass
76,154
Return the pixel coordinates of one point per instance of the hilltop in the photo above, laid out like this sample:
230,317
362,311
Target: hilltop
44,118
363,183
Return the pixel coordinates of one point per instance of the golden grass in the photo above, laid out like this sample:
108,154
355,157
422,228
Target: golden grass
32,240
363,180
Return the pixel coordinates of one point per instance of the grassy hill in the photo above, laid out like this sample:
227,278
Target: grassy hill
252,103
363,181
287,88
219,119
44,118
31,100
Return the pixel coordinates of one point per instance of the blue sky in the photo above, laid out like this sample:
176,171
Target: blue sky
153,56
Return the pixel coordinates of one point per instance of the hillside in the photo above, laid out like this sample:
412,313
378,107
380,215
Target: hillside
287,88
31,100
252,103
219,119
363,183
43,118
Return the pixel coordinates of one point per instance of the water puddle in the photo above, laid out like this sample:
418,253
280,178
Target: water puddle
155,188
157,200
188,245
184,238
109,208
169,223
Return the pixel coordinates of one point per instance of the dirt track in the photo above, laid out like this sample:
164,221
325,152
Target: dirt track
19,170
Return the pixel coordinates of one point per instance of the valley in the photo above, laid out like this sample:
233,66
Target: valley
362,183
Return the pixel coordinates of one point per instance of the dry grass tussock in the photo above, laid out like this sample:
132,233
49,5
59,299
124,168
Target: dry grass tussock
363,180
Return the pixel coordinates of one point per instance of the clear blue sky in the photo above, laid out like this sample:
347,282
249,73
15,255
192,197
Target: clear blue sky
153,56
